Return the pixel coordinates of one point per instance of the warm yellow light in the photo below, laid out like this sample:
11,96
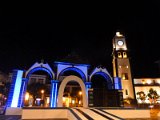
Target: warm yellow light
123,77
48,100
64,99
158,81
27,96
80,93
124,55
149,81
79,102
73,101
143,82
118,34
42,91
38,99
119,55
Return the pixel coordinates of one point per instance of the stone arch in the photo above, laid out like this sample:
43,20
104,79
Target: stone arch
63,85
40,69
40,66
36,67
107,78
82,74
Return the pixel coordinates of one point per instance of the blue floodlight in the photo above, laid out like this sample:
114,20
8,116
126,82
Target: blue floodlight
17,88
80,72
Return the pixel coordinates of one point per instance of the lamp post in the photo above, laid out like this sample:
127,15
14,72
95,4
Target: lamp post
26,98
42,97
80,93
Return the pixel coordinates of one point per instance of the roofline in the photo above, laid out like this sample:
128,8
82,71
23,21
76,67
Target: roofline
70,63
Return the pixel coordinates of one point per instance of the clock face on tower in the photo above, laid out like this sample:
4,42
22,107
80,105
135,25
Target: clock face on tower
120,42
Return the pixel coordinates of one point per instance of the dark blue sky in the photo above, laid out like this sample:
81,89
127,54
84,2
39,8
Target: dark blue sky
27,39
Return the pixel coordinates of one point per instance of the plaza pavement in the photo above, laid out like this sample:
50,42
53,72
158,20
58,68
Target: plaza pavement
153,113
10,117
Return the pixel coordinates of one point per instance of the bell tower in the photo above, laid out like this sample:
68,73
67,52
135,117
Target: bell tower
121,65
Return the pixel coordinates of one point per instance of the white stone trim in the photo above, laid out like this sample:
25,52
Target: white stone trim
63,85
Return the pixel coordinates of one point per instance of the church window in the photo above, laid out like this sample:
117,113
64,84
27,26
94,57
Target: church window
126,92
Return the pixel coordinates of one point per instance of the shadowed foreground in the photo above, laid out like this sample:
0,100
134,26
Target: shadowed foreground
18,117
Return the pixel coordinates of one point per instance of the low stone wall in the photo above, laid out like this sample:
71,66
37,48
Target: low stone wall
47,114
13,111
69,114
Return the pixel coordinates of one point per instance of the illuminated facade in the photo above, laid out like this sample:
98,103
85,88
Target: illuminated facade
108,89
98,87
121,65
144,85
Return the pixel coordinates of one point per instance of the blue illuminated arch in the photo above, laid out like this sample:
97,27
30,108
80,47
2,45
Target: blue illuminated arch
39,69
107,78
73,69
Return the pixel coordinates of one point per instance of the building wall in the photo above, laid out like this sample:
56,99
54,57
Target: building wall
37,79
124,72
34,78
145,84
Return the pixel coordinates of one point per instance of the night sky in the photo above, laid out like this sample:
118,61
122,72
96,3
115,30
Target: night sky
26,39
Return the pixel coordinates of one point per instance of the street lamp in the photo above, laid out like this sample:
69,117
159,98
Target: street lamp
26,98
42,97
80,93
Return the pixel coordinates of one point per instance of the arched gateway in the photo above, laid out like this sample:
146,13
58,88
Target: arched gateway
66,72
63,85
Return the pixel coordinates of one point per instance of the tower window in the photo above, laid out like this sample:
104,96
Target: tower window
119,55
124,76
126,92
124,55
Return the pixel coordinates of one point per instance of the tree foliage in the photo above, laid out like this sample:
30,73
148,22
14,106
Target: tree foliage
141,95
153,95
